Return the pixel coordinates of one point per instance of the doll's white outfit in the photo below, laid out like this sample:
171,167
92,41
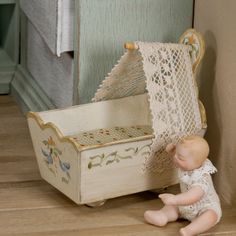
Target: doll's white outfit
210,200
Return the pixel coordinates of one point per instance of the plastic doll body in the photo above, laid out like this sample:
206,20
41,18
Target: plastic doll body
188,155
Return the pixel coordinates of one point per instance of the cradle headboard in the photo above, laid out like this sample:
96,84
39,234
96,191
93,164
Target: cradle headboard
195,40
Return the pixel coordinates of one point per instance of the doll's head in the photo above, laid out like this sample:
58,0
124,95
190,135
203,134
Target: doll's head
189,153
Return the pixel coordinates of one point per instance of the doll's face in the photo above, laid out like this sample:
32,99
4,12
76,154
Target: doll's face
184,158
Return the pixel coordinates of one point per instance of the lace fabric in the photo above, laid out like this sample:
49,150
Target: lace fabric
189,177
200,177
172,96
164,71
125,79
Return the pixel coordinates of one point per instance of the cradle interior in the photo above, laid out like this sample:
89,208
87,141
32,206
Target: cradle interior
122,118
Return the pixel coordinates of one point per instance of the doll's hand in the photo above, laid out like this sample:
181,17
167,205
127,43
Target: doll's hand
168,198
170,148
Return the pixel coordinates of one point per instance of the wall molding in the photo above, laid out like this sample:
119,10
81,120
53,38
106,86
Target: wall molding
28,93
5,81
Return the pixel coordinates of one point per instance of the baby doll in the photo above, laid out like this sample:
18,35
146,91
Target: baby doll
198,201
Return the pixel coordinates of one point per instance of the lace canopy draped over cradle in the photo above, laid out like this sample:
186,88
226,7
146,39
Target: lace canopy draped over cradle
164,71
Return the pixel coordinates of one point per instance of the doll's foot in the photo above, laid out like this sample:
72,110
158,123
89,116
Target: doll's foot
156,218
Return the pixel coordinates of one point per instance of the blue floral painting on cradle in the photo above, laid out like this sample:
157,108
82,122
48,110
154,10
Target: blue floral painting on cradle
195,47
51,155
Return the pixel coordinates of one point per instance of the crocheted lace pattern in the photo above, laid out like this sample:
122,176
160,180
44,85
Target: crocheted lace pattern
164,71
199,177
173,98
126,78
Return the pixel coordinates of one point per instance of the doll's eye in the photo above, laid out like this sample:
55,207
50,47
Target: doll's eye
181,158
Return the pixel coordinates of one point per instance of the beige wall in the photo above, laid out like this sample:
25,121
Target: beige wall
216,20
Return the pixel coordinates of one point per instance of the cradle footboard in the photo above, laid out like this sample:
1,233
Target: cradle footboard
57,156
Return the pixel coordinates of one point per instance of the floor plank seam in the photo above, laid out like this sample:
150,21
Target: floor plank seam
35,208
14,183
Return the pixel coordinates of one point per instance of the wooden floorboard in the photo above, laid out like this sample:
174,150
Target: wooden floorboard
31,207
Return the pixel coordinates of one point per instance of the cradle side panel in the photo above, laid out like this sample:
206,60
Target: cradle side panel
117,170
57,158
133,110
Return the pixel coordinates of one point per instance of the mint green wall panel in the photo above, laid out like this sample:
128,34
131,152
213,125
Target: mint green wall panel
106,24
9,32
9,43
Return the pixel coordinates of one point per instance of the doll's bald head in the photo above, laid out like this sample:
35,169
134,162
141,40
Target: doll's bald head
197,147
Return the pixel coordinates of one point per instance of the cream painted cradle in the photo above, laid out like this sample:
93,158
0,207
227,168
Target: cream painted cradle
98,151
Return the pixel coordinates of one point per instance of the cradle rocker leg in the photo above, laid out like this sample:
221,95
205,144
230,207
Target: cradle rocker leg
96,204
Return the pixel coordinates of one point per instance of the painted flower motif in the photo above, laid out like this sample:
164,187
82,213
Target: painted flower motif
191,40
53,161
51,142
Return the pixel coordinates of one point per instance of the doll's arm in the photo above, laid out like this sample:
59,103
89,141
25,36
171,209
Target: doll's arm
186,198
190,197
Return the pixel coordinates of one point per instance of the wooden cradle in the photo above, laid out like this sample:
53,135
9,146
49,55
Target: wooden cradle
96,151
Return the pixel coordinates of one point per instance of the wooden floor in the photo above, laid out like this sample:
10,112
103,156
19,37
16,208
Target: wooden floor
30,206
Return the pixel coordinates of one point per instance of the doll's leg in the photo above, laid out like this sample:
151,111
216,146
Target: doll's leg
163,216
201,224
